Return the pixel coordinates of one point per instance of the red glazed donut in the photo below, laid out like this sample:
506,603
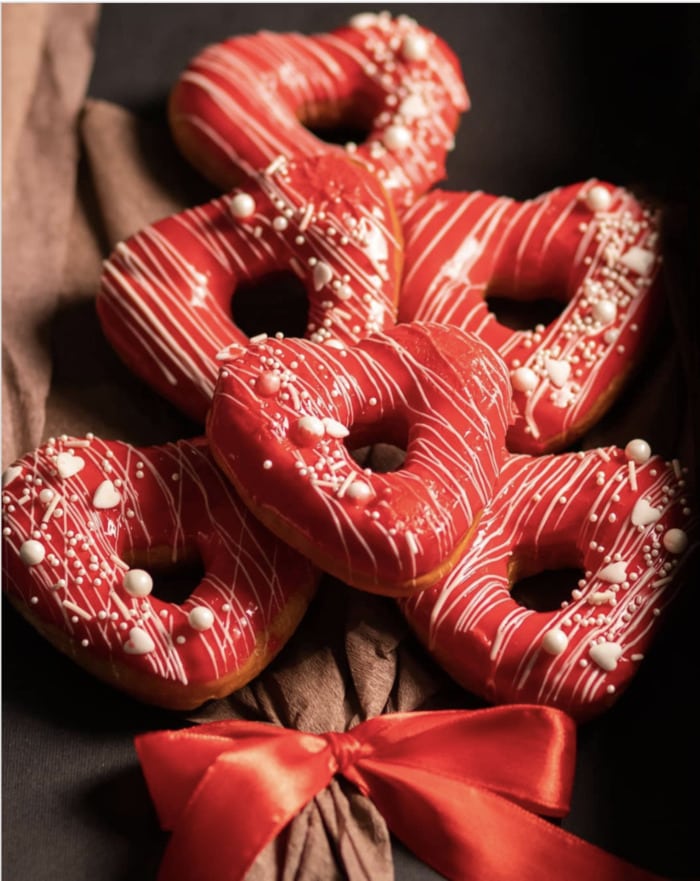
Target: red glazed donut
591,246
620,517
241,103
283,412
165,294
85,523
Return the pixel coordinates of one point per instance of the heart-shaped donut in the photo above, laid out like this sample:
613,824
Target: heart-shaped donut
245,101
591,246
623,518
287,412
165,296
84,543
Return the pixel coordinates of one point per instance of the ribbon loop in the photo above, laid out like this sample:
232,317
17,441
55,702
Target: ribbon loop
462,789
346,749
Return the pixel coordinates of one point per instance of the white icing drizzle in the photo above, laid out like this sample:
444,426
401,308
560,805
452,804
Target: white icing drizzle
560,371
221,92
449,389
154,285
570,657
75,578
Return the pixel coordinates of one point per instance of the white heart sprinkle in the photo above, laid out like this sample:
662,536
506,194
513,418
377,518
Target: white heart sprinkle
139,642
335,428
67,464
557,371
643,513
606,655
322,275
106,496
12,473
639,259
613,573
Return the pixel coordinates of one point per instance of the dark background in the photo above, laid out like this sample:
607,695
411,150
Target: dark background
559,94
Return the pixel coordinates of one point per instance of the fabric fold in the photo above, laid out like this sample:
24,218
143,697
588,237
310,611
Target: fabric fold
46,61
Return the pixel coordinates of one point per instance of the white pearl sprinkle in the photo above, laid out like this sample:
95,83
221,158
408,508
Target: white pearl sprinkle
414,47
200,618
396,137
32,552
138,583
555,641
638,451
598,198
604,311
359,491
242,206
308,430
675,541
523,379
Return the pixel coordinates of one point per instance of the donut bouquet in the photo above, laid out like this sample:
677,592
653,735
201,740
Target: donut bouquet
400,346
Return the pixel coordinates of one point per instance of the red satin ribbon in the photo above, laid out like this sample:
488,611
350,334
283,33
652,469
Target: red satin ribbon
461,789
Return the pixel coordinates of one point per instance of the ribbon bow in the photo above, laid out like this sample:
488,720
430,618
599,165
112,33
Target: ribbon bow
460,788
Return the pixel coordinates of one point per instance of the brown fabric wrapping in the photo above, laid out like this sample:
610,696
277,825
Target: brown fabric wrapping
353,656
46,61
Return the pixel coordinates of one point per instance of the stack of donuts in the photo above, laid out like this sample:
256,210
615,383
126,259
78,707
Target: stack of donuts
400,347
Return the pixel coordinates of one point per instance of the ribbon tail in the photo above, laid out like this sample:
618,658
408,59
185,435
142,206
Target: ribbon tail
243,802
466,832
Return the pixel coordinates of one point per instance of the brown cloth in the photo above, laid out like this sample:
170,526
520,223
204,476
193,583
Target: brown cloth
353,656
46,61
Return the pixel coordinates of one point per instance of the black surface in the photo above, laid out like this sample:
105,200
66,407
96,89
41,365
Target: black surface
559,94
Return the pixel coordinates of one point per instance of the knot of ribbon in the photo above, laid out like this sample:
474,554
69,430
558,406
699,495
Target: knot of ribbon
462,790
346,749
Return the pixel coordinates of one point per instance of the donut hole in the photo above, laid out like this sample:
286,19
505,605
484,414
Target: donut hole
519,314
546,590
272,303
349,121
340,133
172,582
385,458
387,441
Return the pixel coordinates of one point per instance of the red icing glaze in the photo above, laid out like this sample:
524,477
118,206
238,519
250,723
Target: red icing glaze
165,294
436,389
68,543
602,265
595,511
239,103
